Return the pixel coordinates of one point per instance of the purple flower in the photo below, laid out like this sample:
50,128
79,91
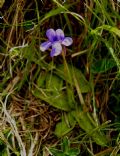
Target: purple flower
55,40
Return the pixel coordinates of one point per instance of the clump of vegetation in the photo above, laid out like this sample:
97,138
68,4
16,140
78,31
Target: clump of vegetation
59,78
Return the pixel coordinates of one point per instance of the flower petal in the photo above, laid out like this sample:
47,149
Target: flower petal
67,41
45,45
56,49
51,34
60,34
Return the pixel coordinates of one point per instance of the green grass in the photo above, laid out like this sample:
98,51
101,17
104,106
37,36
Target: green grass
67,105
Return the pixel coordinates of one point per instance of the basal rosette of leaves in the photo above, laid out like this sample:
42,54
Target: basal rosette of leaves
51,89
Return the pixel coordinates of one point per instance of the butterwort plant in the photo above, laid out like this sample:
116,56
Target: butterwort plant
56,41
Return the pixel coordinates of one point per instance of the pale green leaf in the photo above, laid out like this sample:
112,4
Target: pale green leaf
93,131
83,83
65,126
